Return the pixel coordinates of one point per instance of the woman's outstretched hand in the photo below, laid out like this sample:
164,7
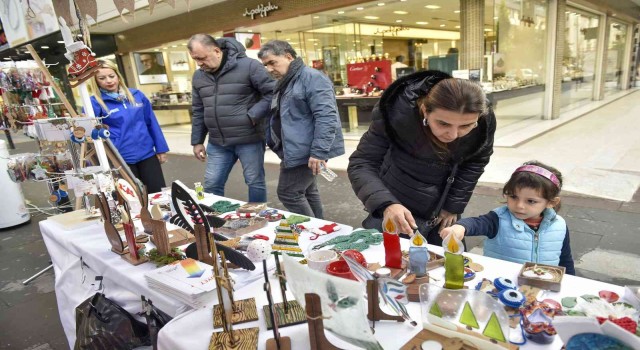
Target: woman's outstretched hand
403,221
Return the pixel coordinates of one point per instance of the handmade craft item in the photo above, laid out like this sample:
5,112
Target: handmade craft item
251,207
221,207
235,227
541,276
453,263
133,257
289,312
227,311
537,322
271,215
392,251
586,333
359,240
197,186
189,213
286,240
258,251
418,255
470,315
342,305
112,233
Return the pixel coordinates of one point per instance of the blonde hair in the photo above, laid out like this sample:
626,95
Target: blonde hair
121,85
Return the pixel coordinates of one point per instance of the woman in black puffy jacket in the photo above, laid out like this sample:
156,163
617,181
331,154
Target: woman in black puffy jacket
425,125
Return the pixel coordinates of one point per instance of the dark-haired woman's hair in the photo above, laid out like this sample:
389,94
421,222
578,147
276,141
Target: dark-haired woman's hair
524,179
455,95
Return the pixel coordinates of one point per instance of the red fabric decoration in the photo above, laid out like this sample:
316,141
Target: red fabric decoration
329,228
392,252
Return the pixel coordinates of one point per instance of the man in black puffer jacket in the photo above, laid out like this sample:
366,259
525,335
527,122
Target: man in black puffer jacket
425,125
231,101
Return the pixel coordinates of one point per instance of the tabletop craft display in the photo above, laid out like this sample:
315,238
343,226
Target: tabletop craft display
399,287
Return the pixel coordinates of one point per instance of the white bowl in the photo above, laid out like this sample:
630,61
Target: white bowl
319,259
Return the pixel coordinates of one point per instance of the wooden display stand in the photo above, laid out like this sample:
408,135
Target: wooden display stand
165,241
373,298
202,240
317,338
277,342
229,338
447,343
243,311
117,246
239,339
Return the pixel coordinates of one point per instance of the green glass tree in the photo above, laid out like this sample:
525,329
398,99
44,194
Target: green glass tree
493,329
435,310
468,318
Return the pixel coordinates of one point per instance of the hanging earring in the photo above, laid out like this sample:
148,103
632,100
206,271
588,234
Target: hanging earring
425,122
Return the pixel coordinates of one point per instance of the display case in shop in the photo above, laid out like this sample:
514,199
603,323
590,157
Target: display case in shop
172,107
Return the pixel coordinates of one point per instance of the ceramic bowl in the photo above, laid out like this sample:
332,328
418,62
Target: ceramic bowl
319,259
355,255
340,268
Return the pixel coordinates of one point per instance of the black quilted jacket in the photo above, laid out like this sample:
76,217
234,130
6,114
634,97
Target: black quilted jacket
396,163
226,104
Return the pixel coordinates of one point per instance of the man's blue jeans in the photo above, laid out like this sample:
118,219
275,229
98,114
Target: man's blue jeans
220,161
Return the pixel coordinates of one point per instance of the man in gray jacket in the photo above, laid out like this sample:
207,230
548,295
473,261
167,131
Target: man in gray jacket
231,100
304,130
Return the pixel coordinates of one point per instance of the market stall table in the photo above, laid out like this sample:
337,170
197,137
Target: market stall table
193,330
81,252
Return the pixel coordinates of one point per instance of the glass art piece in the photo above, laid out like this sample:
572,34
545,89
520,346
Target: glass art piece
453,263
343,306
468,314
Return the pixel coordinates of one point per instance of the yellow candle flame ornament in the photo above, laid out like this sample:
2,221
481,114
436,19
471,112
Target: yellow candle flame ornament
418,240
389,226
453,245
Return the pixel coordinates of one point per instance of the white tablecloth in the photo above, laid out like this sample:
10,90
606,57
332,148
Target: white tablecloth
182,332
80,254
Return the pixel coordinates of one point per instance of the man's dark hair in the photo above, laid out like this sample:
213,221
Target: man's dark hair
400,59
277,48
202,39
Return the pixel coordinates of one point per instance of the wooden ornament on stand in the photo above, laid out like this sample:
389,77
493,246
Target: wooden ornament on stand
117,246
228,338
317,338
374,312
277,342
243,310
289,312
133,257
202,238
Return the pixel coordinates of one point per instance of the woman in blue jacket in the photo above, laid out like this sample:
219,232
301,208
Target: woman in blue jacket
133,126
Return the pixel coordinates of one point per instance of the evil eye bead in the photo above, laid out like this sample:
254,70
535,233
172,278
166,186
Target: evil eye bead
502,283
511,298
104,133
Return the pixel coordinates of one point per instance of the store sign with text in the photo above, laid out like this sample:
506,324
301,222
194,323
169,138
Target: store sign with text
262,10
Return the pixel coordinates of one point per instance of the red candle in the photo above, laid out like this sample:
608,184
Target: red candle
393,254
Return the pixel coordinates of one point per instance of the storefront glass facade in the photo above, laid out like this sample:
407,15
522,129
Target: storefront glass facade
516,54
579,58
615,57
427,33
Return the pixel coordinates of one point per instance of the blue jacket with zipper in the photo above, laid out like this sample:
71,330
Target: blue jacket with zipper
511,239
133,126
311,125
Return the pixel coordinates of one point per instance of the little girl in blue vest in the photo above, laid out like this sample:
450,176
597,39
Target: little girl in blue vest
528,227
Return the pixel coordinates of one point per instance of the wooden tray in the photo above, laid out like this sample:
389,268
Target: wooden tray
553,285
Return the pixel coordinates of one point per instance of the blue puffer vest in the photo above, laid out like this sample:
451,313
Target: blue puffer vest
517,242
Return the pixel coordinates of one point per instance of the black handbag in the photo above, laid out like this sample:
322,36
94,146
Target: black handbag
103,324
156,319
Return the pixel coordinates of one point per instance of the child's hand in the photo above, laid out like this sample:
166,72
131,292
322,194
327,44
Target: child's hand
457,230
